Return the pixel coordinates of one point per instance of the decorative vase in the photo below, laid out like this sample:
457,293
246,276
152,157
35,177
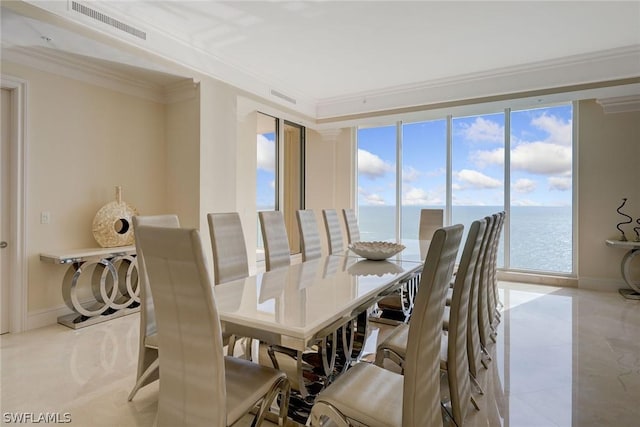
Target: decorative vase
112,225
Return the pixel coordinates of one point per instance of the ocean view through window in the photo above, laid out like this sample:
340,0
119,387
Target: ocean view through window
518,161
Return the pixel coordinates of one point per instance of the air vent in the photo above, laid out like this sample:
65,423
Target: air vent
283,96
99,16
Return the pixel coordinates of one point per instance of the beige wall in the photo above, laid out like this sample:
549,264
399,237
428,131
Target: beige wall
82,141
330,173
608,170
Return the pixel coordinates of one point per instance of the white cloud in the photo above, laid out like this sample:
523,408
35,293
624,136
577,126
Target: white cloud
559,183
371,165
477,179
375,199
266,157
524,185
272,184
559,131
371,198
483,130
410,174
541,158
418,196
524,202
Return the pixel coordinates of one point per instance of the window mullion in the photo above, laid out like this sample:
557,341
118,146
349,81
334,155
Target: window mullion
507,188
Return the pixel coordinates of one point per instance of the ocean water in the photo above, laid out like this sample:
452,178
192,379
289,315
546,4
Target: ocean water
540,236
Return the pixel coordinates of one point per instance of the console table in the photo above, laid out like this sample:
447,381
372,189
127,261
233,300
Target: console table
113,277
633,250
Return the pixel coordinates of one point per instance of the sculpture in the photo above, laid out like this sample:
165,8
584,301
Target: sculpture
623,238
112,225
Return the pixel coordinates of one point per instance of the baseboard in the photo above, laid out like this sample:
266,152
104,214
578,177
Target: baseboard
46,317
538,279
602,284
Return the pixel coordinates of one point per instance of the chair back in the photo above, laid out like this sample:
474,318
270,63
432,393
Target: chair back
309,235
147,313
334,231
474,348
192,388
430,221
229,248
493,279
276,242
457,356
484,323
421,401
350,220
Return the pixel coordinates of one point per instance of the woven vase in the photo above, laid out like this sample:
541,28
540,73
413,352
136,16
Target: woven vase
112,225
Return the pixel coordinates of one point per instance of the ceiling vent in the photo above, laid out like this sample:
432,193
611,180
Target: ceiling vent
283,96
106,19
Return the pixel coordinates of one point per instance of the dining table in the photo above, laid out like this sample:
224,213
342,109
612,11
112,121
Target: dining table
319,306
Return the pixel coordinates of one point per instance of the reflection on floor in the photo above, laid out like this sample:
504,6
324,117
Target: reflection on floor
564,357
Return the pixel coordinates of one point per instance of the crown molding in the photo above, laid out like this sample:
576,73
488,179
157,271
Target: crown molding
613,64
180,91
620,104
70,66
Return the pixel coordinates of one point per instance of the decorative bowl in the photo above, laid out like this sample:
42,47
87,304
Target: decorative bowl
376,251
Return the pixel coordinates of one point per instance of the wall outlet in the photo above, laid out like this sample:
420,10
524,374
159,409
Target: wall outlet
45,217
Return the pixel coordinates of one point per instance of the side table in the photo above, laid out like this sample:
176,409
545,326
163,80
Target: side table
633,250
113,279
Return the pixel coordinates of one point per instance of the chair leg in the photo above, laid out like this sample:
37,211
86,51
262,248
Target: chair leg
322,411
282,388
476,384
144,378
475,404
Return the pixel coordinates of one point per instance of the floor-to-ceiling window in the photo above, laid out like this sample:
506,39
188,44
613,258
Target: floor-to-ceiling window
477,188
541,189
519,161
424,171
377,211
267,166
276,160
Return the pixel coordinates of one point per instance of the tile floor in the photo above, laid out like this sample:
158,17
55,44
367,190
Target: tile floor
564,357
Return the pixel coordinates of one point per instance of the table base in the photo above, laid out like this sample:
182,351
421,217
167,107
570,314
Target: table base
76,321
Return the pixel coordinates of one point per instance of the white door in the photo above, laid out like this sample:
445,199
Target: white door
5,125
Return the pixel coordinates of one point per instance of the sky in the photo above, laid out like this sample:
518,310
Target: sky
541,153
266,173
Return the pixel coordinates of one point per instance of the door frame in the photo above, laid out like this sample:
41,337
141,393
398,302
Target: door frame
17,202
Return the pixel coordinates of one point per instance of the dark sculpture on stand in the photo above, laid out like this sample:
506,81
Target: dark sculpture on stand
623,238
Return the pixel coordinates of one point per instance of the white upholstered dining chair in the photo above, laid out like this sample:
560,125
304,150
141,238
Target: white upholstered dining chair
334,231
275,239
199,385
454,358
148,339
430,221
351,222
310,244
229,248
373,396
229,259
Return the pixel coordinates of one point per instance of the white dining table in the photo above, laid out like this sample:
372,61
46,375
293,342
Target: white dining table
295,305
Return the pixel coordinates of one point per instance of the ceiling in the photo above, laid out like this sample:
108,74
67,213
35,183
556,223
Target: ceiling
338,58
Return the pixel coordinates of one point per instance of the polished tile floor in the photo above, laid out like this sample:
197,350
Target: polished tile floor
564,357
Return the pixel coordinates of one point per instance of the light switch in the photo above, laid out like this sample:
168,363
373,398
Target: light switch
45,217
